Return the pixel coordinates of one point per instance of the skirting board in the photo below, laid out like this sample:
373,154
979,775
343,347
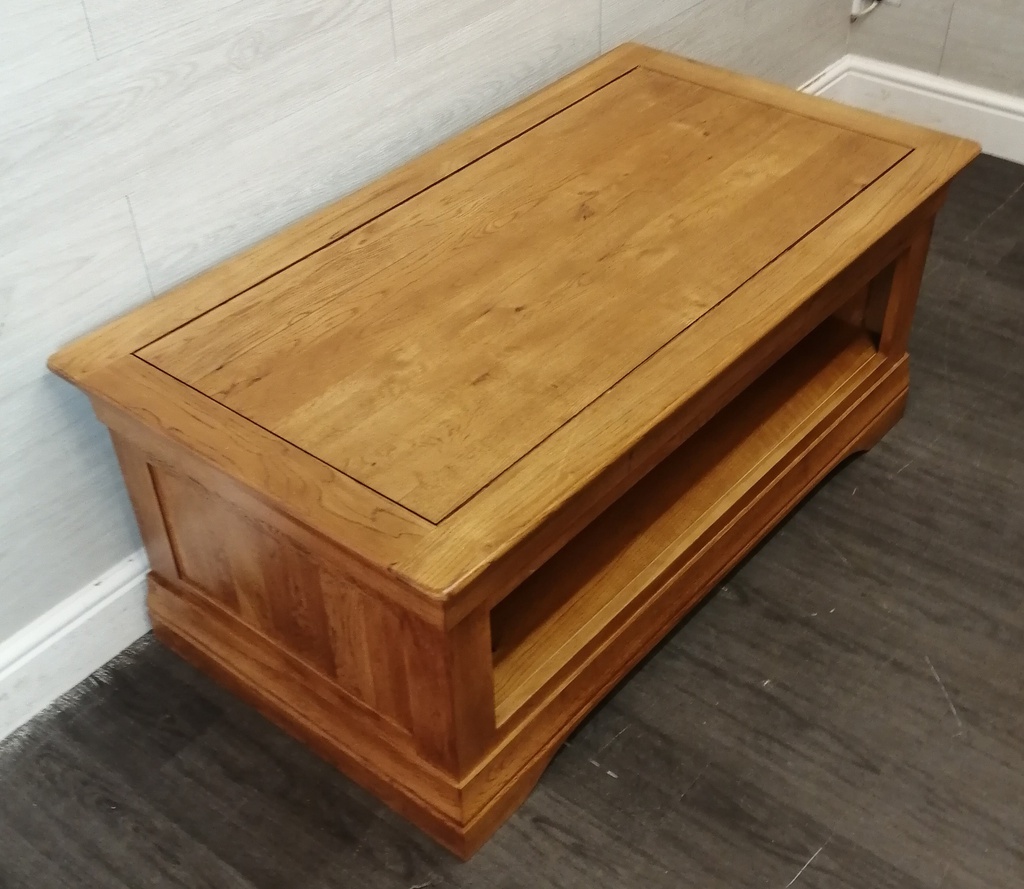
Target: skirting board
70,641
994,119
64,646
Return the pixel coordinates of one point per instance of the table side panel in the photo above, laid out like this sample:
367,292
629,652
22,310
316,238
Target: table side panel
304,599
407,678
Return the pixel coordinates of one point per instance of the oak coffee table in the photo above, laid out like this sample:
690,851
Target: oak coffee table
423,476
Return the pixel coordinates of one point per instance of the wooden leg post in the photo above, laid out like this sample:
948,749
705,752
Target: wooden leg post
906,283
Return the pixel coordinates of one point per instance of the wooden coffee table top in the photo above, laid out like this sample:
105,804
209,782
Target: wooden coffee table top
505,333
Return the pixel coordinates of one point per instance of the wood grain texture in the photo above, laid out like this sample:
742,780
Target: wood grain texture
303,699
224,122
793,715
404,407
311,610
90,265
195,213
797,102
483,560
905,285
530,742
433,431
644,22
445,26
478,535
713,32
89,134
42,40
140,480
423,23
119,24
302,239
299,490
776,44
488,793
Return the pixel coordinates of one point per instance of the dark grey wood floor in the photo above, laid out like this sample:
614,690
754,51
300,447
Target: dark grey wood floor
846,711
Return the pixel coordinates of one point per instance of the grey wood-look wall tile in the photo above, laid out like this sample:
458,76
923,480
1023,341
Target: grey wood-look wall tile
205,83
65,518
118,24
197,211
713,31
793,41
419,23
710,30
422,24
58,478
61,284
985,45
910,34
979,42
787,42
40,40
641,20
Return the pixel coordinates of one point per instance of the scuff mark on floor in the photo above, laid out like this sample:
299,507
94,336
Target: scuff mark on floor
807,864
693,783
904,466
608,744
949,700
823,539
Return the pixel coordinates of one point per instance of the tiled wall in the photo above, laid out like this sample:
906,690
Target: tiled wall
977,41
142,141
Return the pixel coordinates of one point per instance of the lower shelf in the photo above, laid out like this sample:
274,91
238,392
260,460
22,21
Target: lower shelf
544,627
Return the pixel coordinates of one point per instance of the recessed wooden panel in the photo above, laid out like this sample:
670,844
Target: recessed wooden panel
312,609
437,344
259,575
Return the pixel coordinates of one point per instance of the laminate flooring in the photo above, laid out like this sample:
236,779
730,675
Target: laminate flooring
847,710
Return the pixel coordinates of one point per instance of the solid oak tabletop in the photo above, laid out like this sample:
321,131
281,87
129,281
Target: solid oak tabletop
506,331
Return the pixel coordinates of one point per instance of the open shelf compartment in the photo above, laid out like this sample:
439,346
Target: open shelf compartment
547,626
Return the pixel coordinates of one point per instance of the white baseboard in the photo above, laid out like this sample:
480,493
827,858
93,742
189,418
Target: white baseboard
62,647
994,119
